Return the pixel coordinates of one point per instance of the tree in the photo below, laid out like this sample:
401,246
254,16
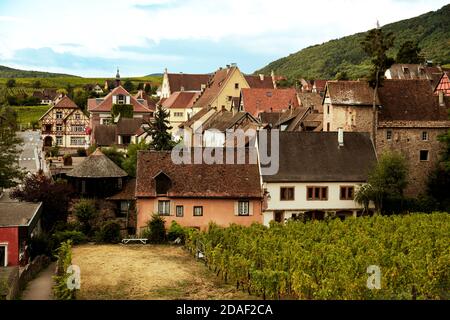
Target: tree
54,195
342,76
375,45
159,131
62,91
80,98
388,178
364,195
130,162
128,85
11,83
409,52
85,212
10,172
115,155
37,84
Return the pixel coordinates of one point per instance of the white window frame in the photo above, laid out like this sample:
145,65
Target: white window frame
4,244
59,115
427,137
389,135
201,210
182,211
60,128
166,208
59,138
243,208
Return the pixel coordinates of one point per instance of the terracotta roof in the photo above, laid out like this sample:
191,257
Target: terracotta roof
189,82
444,85
66,103
181,100
311,99
409,100
215,84
197,180
320,85
260,100
127,193
15,213
151,104
270,118
350,93
97,165
318,158
261,82
104,135
106,104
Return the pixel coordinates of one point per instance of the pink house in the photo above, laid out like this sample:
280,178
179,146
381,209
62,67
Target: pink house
196,194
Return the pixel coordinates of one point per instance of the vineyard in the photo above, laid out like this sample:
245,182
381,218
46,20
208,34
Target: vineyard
329,259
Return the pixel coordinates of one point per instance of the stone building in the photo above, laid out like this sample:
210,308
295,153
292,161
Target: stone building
410,118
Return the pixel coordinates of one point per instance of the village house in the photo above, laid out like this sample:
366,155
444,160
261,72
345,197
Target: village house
180,106
120,134
318,177
182,82
46,96
65,125
443,86
19,223
224,88
415,72
194,195
409,119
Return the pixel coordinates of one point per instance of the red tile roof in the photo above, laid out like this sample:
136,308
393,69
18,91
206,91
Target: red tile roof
189,82
215,84
105,105
66,103
350,93
181,100
197,180
320,85
444,85
264,100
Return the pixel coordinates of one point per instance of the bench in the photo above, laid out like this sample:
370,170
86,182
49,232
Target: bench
126,241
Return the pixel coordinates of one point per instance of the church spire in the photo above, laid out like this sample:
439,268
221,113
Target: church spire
117,77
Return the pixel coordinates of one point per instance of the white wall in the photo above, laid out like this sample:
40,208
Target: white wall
300,202
213,138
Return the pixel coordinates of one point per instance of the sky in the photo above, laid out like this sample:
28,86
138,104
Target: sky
93,37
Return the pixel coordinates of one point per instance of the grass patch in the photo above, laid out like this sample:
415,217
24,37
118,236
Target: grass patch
27,114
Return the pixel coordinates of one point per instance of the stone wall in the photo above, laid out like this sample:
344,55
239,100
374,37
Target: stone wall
407,139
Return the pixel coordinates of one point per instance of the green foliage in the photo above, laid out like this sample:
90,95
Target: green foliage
376,45
54,151
159,131
40,245
128,85
323,61
125,110
329,259
80,98
10,172
342,75
130,162
28,115
109,232
115,155
77,237
81,152
37,84
60,288
176,231
86,212
409,52
156,229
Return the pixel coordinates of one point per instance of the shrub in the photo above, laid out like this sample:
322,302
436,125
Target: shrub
76,237
109,232
176,231
54,151
40,245
81,152
85,212
157,229
60,288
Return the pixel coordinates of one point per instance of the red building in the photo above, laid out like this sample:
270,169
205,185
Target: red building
19,222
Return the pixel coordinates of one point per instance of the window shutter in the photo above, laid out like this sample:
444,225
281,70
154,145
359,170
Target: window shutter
250,208
236,208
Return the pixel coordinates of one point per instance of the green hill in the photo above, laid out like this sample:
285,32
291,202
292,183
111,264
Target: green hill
6,72
324,61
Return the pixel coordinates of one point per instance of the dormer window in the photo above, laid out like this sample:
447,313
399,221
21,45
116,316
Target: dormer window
120,99
405,70
163,183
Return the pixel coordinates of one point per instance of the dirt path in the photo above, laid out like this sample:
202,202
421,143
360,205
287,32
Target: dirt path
40,288
146,272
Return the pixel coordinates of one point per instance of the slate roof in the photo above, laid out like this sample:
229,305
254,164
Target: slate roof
317,157
15,213
260,100
411,100
189,82
105,105
97,165
197,180
181,100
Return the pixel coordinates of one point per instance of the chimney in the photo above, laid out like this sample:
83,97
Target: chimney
441,98
182,88
261,77
202,87
341,137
